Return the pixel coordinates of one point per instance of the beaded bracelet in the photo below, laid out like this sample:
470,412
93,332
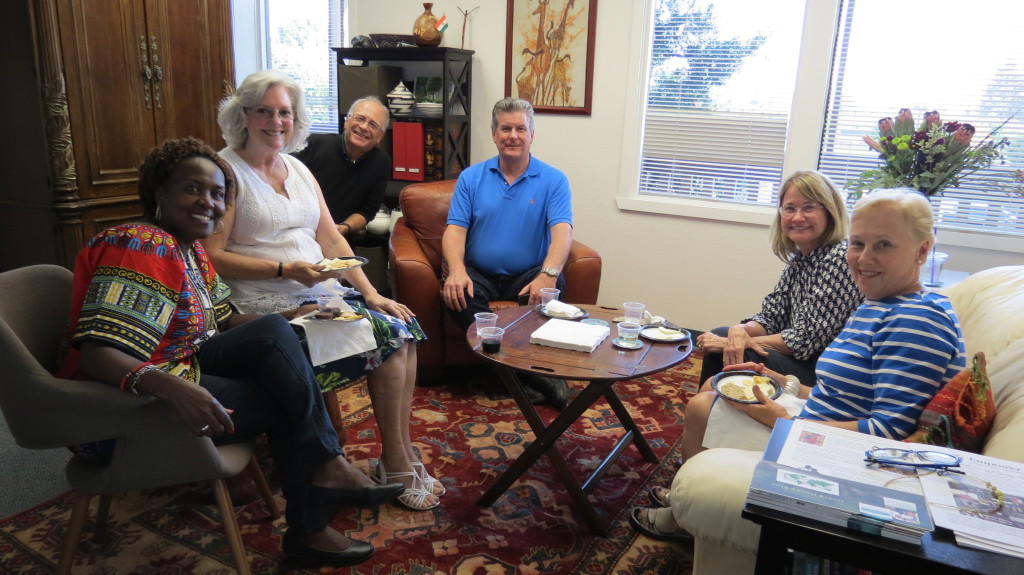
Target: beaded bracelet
132,379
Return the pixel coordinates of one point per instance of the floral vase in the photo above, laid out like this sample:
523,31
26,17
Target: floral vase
423,30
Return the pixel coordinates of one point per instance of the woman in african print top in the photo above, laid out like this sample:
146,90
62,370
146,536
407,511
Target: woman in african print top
149,314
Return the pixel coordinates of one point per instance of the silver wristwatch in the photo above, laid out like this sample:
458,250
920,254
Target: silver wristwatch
550,271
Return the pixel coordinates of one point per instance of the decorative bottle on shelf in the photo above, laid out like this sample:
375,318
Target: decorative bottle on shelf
423,30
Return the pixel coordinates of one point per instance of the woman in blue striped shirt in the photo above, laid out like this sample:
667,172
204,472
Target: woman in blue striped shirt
899,348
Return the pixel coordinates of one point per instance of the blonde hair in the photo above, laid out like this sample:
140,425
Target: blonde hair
912,204
231,117
816,187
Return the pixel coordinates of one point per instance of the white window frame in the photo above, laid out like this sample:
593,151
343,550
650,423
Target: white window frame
807,116
251,38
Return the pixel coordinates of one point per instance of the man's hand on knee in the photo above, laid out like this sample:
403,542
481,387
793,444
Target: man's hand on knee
457,288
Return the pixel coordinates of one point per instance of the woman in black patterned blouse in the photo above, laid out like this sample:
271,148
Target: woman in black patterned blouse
815,294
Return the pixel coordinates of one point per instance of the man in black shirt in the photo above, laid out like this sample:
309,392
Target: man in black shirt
351,169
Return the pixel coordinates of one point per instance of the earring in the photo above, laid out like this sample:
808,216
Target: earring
157,214
221,228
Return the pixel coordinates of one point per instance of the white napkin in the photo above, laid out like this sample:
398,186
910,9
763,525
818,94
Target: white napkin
559,309
332,340
728,427
570,335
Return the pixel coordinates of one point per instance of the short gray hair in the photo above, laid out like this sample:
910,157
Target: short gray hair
912,204
511,106
375,100
231,117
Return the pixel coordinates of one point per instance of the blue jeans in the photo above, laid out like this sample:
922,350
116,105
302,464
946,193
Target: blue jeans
488,288
259,370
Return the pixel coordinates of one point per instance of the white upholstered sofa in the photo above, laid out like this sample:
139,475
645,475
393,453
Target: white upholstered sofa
709,491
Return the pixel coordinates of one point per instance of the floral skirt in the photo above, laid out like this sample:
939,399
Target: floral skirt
390,334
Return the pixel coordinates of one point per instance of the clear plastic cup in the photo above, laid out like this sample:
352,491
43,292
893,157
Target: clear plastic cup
548,294
634,311
485,319
629,332
490,338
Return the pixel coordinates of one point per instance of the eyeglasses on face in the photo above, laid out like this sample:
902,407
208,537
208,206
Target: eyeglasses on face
937,460
264,113
789,210
361,119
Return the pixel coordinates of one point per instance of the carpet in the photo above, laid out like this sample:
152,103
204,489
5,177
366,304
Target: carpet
467,433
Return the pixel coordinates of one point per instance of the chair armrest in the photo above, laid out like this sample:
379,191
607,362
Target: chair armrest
582,274
416,282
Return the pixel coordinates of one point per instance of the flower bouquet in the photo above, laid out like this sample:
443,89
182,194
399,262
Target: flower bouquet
929,159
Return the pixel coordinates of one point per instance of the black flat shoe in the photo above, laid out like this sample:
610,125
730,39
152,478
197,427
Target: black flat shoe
555,391
338,499
299,552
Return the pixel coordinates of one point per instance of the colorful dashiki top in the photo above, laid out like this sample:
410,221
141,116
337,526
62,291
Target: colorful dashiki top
137,290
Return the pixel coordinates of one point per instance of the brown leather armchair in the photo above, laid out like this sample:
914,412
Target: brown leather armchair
415,268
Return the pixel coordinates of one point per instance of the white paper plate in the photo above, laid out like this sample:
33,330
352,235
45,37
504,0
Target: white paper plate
655,334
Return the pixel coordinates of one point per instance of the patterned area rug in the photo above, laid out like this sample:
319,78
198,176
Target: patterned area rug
467,433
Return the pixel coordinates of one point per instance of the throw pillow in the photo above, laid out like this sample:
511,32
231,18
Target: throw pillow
961,414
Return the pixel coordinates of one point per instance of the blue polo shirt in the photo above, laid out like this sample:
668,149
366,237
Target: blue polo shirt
509,226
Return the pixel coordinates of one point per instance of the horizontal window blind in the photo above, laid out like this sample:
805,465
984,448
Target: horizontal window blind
717,107
300,36
962,60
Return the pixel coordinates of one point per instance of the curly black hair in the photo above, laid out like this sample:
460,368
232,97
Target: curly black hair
161,162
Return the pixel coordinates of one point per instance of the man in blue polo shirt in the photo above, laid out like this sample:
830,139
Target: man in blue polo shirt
509,229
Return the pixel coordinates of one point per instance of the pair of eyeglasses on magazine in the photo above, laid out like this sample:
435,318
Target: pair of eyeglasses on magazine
935,460
986,499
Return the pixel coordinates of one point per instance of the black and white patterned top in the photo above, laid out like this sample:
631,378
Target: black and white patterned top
812,301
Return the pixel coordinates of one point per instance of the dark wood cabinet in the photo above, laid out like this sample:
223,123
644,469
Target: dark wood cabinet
112,79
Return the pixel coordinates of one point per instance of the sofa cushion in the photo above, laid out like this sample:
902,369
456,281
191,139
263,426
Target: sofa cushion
987,304
961,414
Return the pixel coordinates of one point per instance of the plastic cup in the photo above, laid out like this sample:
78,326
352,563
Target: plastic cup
634,311
490,338
323,302
548,294
629,332
485,319
931,271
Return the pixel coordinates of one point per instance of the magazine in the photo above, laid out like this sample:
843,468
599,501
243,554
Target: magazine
981,501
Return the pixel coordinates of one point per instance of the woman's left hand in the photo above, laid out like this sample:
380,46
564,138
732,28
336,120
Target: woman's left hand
390,307
766,412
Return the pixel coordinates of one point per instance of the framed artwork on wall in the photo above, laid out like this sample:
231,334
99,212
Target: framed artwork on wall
549,54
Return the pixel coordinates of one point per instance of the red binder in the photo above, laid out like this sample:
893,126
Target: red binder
407,151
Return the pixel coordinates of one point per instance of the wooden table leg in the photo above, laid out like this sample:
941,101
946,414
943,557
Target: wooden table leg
627,422
545,437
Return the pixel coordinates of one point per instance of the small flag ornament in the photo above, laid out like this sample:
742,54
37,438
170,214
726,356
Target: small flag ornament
442,24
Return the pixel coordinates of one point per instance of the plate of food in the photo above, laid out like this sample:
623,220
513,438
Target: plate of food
335,314
342,263
738,386
558,314
665,334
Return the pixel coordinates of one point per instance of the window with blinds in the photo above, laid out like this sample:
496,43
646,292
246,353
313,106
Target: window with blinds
720,88
300,35
964,61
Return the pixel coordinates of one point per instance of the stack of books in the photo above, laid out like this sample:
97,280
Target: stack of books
871,509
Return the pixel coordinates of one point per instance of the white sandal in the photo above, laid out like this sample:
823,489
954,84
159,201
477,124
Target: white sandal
415,495
428,481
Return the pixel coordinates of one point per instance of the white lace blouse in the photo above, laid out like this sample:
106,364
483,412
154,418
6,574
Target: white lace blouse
273,227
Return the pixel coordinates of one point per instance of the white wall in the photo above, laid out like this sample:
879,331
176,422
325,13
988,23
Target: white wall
700,273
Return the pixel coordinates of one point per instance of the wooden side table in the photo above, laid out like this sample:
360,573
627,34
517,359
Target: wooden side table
937,554
601,369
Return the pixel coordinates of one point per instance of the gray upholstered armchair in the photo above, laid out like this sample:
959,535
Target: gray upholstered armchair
44,412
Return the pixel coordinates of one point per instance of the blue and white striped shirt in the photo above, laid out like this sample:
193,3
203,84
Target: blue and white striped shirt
892,357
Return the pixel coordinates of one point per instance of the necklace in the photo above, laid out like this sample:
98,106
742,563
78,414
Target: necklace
195,279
